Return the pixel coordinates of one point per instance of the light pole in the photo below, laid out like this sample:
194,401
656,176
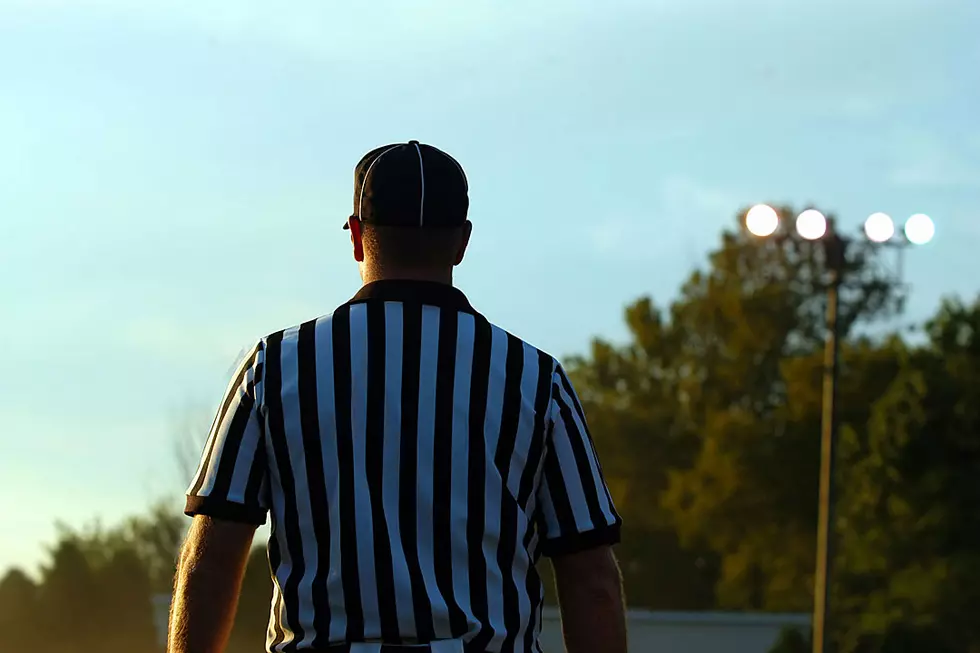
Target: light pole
835,252
763,221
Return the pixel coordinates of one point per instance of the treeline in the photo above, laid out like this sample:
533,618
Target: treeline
97,591
708,422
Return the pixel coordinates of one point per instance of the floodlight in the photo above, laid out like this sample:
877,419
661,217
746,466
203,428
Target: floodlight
811,224
762,220
919,229
879,227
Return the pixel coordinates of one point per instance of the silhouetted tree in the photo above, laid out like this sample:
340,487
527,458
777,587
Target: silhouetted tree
19,629
706,420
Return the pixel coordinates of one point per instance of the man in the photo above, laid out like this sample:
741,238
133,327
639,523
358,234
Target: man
416,461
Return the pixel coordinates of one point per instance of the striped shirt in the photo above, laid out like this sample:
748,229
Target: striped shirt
416,461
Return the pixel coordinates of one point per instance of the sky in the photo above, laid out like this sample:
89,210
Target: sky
173,177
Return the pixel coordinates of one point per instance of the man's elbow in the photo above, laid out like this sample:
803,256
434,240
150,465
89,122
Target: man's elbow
592,575
603,590
606,589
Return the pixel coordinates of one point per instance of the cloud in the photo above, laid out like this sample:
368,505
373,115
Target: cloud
859,106
682,195
924,160
684,218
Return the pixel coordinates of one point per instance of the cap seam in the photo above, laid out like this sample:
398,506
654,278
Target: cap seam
360,200
422,182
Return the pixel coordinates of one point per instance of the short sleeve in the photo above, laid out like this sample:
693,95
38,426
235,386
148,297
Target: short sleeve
231,482
575,508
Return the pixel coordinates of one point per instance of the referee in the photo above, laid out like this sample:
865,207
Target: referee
416,460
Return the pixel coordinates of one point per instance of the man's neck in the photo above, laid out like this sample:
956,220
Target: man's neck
444,277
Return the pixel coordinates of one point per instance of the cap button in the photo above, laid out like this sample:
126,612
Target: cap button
413,142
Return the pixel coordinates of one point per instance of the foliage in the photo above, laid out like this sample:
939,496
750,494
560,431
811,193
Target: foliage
18,608
95,592
252,621
153,539
910,538
708,421
706,418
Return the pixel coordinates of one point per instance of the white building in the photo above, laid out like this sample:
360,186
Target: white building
651,632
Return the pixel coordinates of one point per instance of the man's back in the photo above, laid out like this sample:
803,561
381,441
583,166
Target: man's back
417,461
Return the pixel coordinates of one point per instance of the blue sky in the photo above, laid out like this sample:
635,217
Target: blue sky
173,174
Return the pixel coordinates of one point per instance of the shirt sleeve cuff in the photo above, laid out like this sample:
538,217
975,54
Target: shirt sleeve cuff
225,510
577,542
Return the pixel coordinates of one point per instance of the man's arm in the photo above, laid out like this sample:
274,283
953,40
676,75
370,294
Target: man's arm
590,597
579,525
228,499
209,579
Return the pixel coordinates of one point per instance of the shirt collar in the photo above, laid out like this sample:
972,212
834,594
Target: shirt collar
414,292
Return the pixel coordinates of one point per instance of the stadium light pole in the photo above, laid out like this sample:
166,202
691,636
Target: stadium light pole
763,221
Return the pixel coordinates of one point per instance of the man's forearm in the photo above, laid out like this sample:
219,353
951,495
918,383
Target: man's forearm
593,615
206,590
203,611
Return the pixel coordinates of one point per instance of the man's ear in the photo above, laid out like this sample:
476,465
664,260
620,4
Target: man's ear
467,231
356,238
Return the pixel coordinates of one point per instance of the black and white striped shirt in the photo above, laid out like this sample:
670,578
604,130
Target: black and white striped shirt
417,461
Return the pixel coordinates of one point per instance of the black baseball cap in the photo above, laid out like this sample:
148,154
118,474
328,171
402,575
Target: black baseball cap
410,185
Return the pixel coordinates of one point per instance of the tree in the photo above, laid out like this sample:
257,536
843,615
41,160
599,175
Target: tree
67,607
153,538
252,620
910,538
96,591
124,603
627,394
156,538
96,594
708,419
18,611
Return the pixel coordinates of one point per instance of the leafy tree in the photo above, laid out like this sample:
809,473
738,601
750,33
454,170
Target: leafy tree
909,535
96,593
153,538
18,611
708,420
156,539
124,603
252,620
67,604
96,590
628,394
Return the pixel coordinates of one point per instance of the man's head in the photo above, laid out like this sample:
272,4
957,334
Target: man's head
410,206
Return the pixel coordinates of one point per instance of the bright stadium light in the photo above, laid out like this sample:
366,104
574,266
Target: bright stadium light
762,220
811,224
919,229
879,227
